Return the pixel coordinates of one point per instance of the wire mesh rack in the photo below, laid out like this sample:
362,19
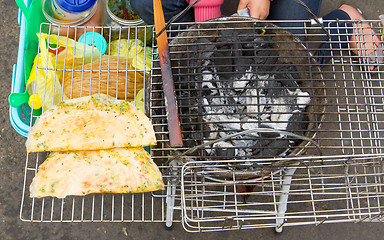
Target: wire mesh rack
316,191
229,187
63,76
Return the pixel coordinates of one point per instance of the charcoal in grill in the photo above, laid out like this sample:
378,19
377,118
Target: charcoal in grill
226,59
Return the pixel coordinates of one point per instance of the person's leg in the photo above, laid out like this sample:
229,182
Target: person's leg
340,33
144,8
290,10
360,37
364,41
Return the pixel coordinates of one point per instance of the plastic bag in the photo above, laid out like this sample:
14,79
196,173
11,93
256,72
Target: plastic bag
139,55
139,100
135,50
56,54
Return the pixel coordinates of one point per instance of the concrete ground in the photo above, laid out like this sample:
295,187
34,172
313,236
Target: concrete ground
13,155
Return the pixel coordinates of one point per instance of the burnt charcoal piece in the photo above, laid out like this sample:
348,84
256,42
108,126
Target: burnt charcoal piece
232,46
203,49
288,75
195,56
206,46
274,89
190,143
206,91
258,42
264,58
184,63
206,131
260,145
192,138
234,83
227,36
264,64
223,62
298,124
275,148
248,40
272,135
225,154
241,65
187,104
186,84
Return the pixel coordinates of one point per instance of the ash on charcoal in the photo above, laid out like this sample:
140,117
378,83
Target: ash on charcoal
239,83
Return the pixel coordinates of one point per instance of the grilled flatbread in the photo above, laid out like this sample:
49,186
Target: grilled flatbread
119,170
90,123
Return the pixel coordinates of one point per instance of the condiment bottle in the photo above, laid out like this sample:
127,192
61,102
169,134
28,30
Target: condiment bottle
72,10
87,14
122,28
207,9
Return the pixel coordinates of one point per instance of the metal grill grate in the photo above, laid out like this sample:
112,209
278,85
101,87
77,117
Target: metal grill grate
345,116
316,191
346,113
111,76
352,110
142,207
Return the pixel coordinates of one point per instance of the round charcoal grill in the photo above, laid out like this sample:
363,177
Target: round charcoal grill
235,74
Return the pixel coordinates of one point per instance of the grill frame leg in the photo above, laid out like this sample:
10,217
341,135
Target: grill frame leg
283,200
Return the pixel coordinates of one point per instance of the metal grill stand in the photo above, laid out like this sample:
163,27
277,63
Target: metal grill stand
350,127
282,207
323,190
295,187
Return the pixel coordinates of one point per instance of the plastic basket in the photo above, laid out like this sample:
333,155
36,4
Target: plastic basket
21,117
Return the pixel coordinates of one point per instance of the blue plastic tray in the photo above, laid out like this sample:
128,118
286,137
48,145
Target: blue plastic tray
20,117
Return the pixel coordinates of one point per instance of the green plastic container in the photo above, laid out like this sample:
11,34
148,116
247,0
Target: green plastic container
34,17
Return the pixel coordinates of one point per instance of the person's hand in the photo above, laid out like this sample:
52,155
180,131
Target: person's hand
257,8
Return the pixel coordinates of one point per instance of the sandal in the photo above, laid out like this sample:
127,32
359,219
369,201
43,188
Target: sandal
364,42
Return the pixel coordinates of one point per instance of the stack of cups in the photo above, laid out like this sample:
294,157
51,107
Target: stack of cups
207,9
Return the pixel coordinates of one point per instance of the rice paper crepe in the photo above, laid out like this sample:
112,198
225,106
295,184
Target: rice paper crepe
90,123
119,170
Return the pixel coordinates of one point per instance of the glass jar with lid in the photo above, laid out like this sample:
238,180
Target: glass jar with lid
65,14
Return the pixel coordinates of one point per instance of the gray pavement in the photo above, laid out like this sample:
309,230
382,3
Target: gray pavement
13,155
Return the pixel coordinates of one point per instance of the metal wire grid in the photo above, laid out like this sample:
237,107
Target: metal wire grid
322,190
332,190
185,74
353,111
352,126
144,207
141,207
